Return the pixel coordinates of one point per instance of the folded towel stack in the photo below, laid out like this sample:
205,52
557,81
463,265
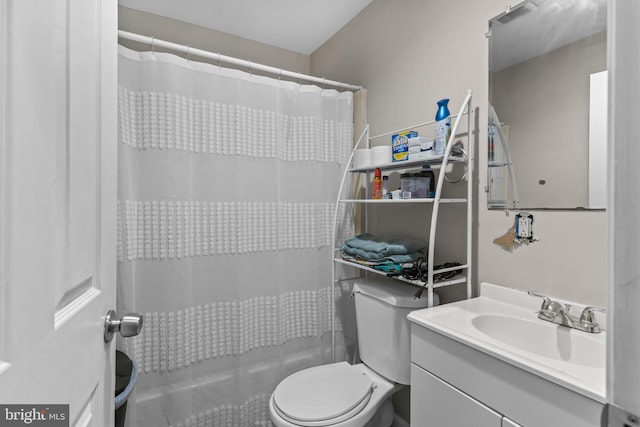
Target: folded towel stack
378,249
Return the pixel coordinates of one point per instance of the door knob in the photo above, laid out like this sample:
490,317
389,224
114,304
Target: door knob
129,326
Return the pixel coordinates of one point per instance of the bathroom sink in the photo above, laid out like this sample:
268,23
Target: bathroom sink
503,323
543,338
493,357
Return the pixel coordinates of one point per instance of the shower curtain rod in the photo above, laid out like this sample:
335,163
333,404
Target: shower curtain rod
230,60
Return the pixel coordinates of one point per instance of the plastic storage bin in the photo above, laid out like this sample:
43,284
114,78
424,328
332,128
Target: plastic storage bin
417,185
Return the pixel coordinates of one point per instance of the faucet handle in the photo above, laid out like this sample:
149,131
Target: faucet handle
588,315
546,301
549,309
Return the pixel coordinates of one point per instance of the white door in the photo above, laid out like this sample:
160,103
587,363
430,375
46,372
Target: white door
623,211
58,134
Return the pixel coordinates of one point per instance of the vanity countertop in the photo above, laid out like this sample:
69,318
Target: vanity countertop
503,323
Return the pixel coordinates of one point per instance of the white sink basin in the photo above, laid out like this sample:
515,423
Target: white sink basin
503,323
543,338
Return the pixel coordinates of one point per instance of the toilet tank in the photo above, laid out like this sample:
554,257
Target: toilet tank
384,335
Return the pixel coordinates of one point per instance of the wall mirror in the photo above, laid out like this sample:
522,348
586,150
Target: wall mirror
547,91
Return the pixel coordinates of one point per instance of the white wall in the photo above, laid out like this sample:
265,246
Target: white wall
410,53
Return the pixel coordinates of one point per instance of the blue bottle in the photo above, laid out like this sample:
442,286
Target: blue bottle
443,127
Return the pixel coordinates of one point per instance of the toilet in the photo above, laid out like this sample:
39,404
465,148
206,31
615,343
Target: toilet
344,395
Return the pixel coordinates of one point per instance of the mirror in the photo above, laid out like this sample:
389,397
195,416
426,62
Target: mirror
548,92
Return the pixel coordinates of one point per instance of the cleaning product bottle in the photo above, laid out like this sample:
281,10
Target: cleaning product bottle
385,187
443,127
377,185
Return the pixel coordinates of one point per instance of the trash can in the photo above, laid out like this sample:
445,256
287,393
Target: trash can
126,375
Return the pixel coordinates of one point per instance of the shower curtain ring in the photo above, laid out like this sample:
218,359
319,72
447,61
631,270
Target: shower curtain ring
250,68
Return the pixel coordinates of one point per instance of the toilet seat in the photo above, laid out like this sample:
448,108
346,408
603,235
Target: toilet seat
323,395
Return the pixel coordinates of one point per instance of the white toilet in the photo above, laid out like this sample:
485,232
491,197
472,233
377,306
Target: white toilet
344,395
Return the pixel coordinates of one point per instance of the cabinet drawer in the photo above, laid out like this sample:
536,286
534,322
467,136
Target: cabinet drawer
436,403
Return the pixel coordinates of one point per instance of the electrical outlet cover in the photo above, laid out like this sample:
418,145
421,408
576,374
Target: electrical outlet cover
524,226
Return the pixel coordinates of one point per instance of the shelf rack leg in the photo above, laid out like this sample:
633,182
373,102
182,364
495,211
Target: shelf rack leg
333,242
438,195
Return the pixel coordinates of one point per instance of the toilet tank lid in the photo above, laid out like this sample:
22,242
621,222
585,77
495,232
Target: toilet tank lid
392,292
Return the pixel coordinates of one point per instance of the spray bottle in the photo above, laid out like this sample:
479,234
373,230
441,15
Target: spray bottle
377,185
443,127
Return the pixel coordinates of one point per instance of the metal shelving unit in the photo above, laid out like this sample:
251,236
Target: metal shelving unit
440,162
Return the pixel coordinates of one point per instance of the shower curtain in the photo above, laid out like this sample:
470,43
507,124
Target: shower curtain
227,187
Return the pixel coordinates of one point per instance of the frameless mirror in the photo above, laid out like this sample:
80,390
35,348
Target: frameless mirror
548,106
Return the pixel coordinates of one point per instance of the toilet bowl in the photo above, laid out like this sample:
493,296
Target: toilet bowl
343,395
338,394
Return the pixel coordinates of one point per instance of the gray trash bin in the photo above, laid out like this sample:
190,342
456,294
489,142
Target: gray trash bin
126,375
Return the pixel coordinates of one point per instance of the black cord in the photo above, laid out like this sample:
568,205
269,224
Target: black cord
423,273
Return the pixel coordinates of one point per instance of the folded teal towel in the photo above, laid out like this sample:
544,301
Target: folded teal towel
371,256
374,248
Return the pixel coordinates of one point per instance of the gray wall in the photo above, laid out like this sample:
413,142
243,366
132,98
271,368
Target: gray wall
203,38
410,53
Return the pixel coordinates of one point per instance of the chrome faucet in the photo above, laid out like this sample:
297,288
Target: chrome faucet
556,312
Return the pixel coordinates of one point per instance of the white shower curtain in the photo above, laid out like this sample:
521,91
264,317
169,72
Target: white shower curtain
227,187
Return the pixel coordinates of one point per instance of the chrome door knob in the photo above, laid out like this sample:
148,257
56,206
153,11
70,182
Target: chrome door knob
129,326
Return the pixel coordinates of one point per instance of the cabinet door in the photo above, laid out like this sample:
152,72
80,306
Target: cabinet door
436,403
506,422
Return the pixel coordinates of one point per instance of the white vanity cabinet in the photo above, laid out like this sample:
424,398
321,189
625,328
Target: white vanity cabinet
454,384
